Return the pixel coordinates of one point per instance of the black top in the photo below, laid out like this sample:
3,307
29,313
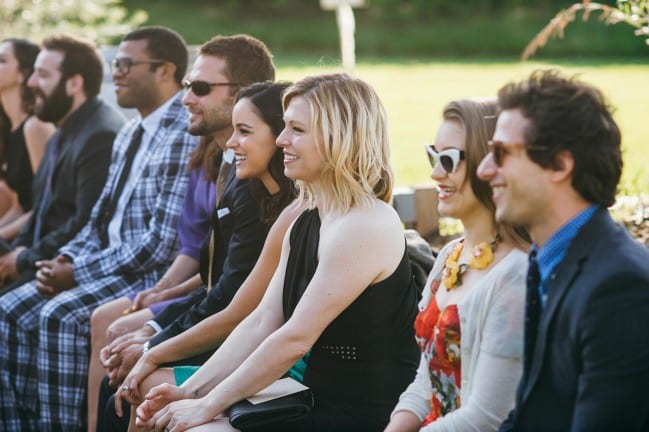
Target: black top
239,236
19,174
367,356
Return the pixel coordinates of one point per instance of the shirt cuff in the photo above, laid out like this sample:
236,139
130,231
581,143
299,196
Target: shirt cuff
154,325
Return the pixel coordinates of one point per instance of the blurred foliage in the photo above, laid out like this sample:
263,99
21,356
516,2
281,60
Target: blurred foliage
102,21
632,12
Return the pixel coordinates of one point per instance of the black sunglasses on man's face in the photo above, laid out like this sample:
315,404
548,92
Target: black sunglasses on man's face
203,88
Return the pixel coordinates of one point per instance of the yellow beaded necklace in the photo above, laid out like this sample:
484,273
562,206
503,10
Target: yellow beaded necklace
482,256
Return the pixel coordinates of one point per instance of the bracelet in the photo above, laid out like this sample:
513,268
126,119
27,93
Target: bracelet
145,347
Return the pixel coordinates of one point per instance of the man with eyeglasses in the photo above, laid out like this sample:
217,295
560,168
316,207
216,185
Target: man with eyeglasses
554,168
125,246
224,65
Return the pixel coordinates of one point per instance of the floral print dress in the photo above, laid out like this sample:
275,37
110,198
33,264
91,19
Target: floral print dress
438,336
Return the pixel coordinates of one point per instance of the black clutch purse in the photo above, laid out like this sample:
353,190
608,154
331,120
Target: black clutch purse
244,415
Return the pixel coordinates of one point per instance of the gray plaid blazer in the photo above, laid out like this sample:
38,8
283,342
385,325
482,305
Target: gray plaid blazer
150,218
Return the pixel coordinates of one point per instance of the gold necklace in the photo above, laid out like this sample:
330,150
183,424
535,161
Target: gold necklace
482,256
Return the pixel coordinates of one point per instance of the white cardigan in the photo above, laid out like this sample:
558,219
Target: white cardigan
491,326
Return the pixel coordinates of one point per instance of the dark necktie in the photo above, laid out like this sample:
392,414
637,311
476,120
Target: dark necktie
43,203
532,312
109,209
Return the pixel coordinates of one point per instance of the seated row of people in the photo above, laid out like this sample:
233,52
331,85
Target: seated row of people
302,264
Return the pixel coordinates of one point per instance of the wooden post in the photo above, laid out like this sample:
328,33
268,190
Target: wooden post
346,27
426,208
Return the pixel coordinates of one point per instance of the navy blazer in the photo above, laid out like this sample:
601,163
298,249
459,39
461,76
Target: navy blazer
79,176
589,367
239,236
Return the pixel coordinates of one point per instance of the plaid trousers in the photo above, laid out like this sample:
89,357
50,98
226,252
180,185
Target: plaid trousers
45,352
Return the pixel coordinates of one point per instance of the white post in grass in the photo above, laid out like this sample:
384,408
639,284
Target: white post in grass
346,27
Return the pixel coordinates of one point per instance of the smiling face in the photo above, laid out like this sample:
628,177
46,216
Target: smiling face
253,144
136,88
520,186
212,112
53,103
302,161
456,198
10,76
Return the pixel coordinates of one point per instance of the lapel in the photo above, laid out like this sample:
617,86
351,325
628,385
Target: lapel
70,134
566,273
152,147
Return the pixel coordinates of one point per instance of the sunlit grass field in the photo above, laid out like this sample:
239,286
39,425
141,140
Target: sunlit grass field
414,94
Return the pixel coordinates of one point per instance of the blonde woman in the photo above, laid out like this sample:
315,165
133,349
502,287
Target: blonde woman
342,299
470,324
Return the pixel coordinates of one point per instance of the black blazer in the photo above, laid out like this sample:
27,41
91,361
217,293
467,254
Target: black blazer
239,237
79,176
589,368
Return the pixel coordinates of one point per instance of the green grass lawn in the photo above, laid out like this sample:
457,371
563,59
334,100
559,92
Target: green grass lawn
414,94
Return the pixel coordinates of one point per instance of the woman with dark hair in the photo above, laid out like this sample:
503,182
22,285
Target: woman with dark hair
470,322
256,120
339,309
22,135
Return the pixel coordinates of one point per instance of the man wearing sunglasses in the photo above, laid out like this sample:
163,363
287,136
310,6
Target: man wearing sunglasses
554,167
224,65
127,243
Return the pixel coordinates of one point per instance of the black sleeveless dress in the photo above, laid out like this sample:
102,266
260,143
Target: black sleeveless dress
367,356
18,174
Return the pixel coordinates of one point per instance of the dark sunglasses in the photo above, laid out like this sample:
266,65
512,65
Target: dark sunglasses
123,65
203,88
449,158
500,149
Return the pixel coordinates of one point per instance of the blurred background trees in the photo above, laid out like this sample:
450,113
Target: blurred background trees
98,20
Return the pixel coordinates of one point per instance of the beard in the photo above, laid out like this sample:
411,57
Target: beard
54,107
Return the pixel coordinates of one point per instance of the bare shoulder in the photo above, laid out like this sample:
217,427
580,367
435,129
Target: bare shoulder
37,132
369,231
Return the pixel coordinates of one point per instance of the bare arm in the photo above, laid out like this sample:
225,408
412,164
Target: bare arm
348,264
176,281
209,332
214,329
37,133
12,222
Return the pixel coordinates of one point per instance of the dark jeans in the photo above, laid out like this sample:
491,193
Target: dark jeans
26,276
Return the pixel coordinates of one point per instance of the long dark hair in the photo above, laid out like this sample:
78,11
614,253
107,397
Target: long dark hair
25,52
266,97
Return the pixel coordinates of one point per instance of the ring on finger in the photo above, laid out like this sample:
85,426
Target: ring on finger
125,388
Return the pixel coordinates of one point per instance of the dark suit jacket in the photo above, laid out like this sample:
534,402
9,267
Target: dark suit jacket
589,367
239,237
79,176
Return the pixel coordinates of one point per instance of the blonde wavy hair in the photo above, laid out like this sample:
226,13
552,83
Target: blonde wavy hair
347,113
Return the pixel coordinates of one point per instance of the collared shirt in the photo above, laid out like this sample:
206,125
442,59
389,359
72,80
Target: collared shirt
553,252
150,124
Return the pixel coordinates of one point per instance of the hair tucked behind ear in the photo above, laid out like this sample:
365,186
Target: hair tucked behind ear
266,98
349,117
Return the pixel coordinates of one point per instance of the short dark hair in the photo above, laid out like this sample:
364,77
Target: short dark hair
165,44
25,52
566,114
81,57
266,98
247,58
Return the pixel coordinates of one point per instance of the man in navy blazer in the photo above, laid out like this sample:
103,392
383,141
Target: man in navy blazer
554,167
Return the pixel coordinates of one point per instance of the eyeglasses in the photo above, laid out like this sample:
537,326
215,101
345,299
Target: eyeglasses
449,158
203,88
123,65
500,149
